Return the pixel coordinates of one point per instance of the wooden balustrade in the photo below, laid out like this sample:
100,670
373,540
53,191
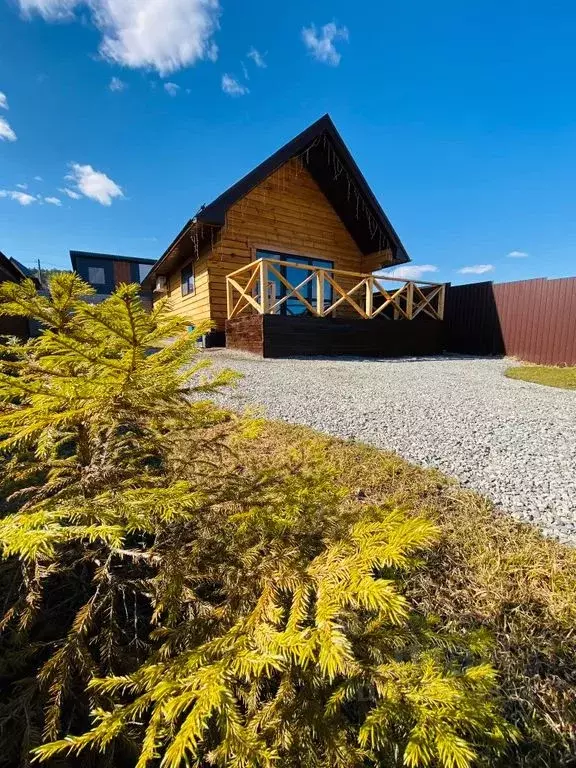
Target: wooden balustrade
254,286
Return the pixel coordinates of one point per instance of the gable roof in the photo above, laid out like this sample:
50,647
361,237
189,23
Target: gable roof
329,161
11,267
25,271
324,153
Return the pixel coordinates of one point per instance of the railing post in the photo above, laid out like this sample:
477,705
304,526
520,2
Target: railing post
229,299
369,296
441,302
320,293
409,300
263,286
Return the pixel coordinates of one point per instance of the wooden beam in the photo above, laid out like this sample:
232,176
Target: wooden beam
229,299
426,301
369,296
320,292
264,286
345,296
251,300
442,302
391,299
409,300
247,289
294,291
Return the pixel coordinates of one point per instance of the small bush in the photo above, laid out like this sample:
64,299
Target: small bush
172,598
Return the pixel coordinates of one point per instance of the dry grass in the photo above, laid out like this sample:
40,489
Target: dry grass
490,572
550,376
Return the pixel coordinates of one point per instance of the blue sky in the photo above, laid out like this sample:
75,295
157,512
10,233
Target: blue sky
462,117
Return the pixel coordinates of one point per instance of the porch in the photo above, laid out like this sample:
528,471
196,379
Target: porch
280,308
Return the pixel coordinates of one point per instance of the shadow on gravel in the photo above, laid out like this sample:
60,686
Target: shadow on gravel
356,359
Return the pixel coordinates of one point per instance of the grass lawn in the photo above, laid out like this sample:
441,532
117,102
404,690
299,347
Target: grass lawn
489,571
551,376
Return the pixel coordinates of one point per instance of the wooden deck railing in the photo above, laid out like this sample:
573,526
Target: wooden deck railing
256,285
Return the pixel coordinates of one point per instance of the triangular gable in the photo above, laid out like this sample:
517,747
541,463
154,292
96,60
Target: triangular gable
323,152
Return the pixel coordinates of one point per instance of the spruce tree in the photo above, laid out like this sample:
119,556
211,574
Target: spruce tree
169,602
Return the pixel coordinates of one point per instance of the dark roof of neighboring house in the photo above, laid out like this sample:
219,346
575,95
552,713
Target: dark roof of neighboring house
26,271
328,159
109,256
11,266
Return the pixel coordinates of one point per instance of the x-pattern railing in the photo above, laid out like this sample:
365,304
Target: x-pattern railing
255,286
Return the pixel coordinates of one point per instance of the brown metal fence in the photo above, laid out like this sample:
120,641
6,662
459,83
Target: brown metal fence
534,320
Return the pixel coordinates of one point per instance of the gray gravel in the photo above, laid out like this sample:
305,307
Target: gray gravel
513,441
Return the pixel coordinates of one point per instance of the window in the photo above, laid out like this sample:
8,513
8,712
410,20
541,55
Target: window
187,280
293,305
143,270
96,276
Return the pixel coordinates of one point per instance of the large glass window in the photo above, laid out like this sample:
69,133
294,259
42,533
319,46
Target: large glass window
294,275
187,280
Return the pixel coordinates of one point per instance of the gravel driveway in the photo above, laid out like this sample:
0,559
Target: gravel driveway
513,441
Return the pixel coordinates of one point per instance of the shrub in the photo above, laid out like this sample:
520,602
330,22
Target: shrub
161,609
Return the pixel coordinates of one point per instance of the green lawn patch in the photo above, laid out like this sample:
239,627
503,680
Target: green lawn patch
489,571
550,376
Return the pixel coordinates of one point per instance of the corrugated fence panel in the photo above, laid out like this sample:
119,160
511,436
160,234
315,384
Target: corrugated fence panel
534,320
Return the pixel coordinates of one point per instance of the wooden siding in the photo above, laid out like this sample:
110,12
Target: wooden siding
287,213
121,272
195,306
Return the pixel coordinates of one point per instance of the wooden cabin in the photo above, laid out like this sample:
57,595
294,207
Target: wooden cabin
290,250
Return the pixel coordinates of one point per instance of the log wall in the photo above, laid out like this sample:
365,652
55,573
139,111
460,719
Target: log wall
287,213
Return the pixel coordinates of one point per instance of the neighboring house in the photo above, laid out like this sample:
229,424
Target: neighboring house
25,271
300,236
105,271
11,270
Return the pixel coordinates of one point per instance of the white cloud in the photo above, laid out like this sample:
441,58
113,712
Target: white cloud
476,269
321,44
38,178
164,35
517,255
3,101
171,89
20,197
94,184
245,71
257,58
408,271
49,9
22,186
232,87
53,201
116,85
70,192
6,132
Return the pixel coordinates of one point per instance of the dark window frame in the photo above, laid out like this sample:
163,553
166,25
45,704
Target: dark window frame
264,253
188,280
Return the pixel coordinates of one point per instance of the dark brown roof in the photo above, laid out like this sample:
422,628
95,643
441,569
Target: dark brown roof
328,159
